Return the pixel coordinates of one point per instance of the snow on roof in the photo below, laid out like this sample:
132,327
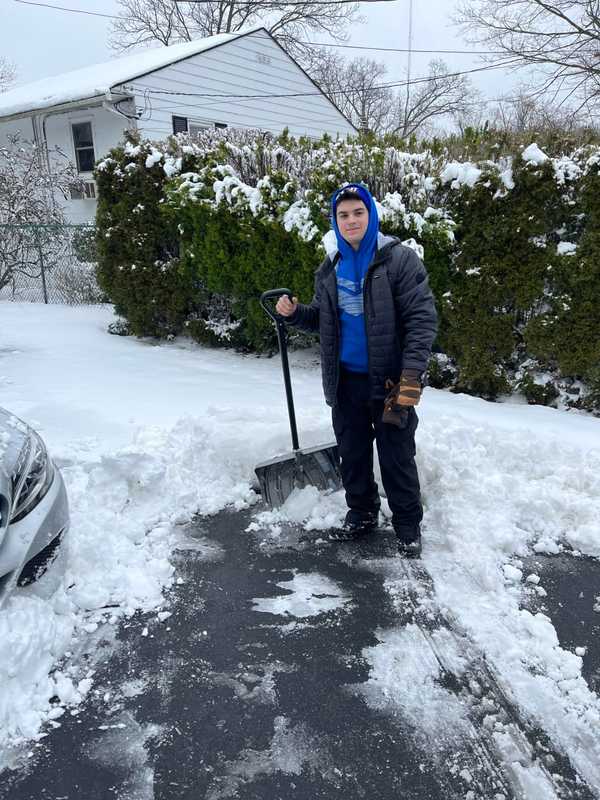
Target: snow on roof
98,79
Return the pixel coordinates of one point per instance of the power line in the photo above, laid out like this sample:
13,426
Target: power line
300,41
393,84
262,3
62,8
289,2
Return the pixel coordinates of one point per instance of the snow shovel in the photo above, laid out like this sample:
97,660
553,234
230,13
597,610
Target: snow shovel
315,466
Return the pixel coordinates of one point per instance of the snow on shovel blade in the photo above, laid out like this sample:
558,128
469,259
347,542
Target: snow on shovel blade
315,466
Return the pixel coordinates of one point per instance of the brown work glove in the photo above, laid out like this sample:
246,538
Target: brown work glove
401,395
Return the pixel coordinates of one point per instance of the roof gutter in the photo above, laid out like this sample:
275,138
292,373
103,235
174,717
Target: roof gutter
62,108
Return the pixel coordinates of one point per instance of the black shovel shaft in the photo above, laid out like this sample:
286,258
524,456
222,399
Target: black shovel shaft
282,339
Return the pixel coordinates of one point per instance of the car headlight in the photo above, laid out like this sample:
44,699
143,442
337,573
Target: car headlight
5,495
33,477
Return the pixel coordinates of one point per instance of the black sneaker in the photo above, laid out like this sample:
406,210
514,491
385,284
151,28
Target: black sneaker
408,539
357,523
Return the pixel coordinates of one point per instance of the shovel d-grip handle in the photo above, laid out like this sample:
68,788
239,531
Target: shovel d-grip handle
282,339
272,294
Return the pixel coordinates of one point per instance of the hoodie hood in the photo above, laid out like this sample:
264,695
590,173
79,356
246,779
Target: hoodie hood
369,241
329,242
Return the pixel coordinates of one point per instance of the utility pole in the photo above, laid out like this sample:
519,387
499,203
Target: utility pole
410,36
409,65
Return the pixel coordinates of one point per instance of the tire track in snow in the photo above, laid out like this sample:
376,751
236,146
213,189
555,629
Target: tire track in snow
503,733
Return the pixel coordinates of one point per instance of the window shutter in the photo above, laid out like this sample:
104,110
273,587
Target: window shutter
180,124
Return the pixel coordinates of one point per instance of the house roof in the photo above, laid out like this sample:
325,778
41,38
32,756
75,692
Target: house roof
98,79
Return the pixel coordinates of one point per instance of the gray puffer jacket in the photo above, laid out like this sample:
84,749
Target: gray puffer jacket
399,312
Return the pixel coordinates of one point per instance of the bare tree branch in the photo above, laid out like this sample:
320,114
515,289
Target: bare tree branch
143,22
354,87
558,38
443,95
28,188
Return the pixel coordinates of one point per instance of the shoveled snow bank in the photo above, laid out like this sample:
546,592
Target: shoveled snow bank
147,435
491,496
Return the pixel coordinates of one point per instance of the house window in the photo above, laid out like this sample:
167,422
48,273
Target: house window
194,126
180,124
84,146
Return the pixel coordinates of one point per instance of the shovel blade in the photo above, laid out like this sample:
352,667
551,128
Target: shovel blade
315,466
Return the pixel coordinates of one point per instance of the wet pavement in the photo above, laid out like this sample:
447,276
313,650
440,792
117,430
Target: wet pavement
257,685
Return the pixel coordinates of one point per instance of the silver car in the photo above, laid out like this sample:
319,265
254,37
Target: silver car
34,511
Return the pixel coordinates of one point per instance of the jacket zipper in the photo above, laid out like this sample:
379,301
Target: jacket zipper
338,331
370,271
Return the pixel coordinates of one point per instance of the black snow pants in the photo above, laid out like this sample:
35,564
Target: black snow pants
357,422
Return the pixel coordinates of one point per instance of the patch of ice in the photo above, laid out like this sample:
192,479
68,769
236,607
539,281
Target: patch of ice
292,749
122,745
309,594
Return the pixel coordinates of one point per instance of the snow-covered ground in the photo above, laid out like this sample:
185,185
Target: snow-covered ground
148,434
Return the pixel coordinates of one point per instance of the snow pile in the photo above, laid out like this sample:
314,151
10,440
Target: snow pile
566,248
566,169
393,210
124,512
459,174
533,155
298,217
507,179
163,432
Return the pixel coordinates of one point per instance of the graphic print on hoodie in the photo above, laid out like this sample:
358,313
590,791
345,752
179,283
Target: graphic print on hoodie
351,270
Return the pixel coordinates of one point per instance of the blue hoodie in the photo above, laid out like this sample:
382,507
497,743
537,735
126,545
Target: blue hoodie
351,270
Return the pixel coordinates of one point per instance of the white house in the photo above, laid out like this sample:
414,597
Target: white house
237,80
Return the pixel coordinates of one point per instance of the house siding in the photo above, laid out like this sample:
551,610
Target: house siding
108,130
254,65
22,127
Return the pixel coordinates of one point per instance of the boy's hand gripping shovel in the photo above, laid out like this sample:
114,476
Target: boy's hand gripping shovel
315,466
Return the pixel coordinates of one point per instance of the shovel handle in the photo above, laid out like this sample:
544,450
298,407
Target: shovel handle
282,339
271,293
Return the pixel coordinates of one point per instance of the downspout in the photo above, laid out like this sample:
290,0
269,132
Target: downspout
38,122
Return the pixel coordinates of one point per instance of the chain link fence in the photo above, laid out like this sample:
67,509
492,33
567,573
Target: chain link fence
49,264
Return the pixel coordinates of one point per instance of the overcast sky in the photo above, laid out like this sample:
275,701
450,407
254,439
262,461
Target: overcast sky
43,42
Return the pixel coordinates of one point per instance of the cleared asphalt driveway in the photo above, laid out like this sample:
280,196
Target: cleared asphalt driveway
257,686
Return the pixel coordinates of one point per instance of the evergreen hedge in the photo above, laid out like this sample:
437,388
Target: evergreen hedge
190,233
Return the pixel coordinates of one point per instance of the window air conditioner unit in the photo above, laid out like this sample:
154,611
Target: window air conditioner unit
84,190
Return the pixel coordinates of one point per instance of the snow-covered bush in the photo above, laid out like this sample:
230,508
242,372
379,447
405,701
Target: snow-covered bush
138,248
509,242
502,261
566,332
